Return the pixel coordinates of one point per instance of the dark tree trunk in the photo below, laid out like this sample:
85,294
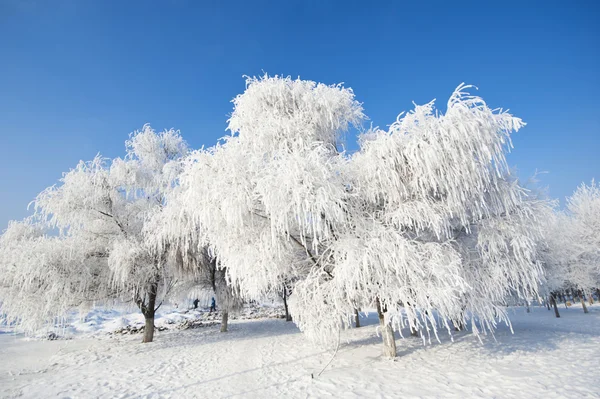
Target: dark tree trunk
356,318
288,316
585,309
548,303
459,325
553,300
224,320
148,311
148,329
387,333
413,331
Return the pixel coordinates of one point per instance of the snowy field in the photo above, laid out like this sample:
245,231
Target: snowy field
269,358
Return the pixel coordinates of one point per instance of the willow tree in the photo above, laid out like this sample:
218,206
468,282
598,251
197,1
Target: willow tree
268,197
583,212
438,232
99,210
172,232
572,254
407,224
43,276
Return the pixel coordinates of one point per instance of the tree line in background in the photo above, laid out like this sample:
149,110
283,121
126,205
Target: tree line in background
423,222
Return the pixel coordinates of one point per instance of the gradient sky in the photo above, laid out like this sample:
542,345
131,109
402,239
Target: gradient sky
76,77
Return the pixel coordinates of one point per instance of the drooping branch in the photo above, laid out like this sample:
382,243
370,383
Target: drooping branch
300,244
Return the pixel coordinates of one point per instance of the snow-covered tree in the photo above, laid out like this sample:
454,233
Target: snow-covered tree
421,222
572,252
100,209
194,264
438,232
551,252
37,279
583,209
246,191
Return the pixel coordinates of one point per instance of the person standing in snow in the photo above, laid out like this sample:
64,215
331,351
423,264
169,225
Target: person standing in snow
213,305
196,303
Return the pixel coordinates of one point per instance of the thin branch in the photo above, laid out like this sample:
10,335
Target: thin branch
311,256
105,214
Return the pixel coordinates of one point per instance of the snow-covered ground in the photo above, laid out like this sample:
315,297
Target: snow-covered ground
269,358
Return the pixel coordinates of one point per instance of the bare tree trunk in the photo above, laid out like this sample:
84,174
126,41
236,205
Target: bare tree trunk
553,300
148,311
356,319
585,309
148,329
288,316
527,305
413,331
387,334
591,299
224,320
548,303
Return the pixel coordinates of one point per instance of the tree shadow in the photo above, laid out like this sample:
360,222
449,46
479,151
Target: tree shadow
199,383
540,332
238,330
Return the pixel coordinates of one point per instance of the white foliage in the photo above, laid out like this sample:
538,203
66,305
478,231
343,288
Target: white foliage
100,209
44,276
259,194
422,218
572,253
446,234
584,209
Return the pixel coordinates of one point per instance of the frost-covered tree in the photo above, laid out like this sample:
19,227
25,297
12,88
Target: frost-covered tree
572,252
37,279
551,253
192,261
583,210
438,233
100,209
417,223
501,256
246,191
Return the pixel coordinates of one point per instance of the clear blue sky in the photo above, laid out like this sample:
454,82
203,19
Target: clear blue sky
77,76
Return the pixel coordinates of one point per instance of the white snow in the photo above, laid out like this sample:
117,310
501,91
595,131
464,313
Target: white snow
545,358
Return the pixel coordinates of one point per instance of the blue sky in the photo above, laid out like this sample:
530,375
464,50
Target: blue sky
77,76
